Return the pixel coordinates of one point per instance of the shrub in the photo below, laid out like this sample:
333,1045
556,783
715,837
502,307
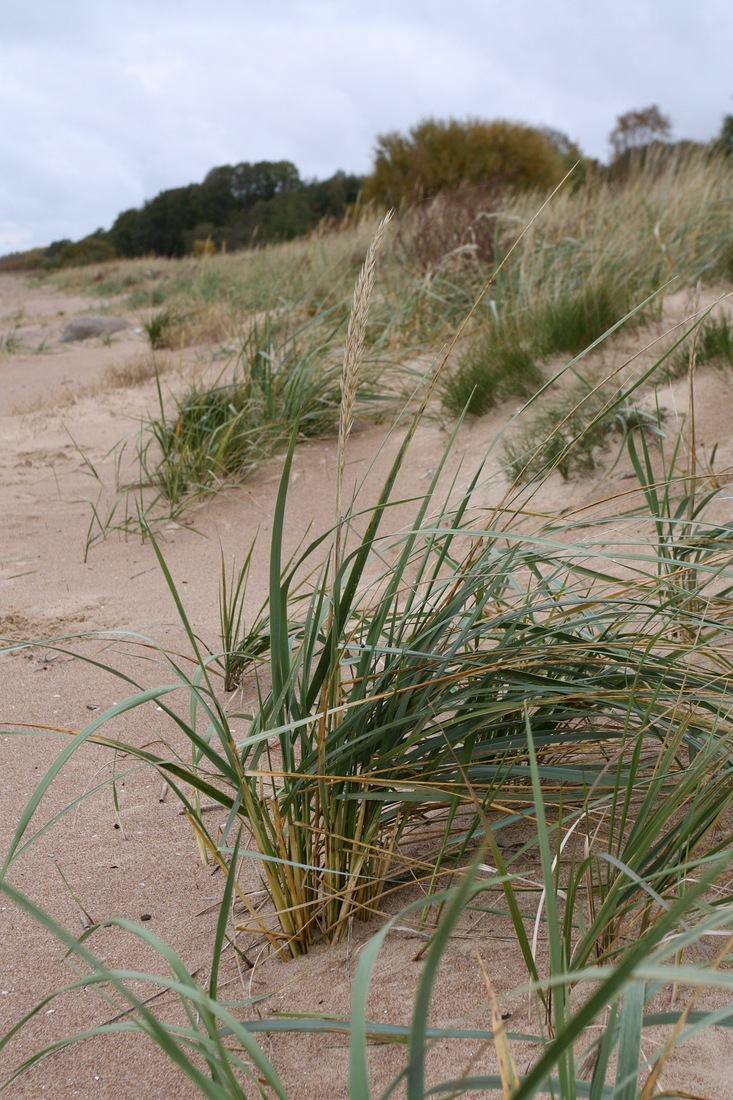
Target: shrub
91,250
205,247
439,156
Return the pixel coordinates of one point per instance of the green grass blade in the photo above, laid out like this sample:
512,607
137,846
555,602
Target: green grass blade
629,1044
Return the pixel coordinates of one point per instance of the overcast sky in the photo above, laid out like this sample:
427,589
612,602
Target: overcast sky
104,103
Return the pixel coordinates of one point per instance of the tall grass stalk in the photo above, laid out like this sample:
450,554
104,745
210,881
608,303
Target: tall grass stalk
349,382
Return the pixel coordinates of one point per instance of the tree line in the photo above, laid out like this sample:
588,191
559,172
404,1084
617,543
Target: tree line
234,207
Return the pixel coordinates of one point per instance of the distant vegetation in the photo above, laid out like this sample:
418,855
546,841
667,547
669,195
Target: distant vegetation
234,207
258,203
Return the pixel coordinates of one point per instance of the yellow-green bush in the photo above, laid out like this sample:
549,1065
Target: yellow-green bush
444,156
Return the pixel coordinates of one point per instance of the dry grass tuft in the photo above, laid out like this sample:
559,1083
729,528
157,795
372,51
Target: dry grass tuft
135,372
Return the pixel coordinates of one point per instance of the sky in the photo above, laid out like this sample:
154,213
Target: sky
104,103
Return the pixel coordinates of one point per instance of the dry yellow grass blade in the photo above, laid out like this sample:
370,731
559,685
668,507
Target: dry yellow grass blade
507,1068
259,926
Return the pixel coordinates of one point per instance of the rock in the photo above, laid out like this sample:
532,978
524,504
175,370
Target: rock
81,328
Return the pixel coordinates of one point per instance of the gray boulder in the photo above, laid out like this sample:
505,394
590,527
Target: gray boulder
82,328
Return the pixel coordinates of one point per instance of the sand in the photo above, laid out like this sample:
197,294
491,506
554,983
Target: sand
60,414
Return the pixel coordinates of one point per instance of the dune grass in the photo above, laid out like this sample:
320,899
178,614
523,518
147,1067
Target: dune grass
570,434
598,252
504,360
277,314
435,687
221,430
711,345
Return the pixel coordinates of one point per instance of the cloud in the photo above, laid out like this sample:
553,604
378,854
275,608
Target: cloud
105,105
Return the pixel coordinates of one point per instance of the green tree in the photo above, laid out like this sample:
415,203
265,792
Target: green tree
330,198
126,233
251,183
572,155
265,201
165,219
441,156
214,198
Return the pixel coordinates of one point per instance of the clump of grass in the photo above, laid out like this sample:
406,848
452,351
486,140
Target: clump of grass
570,435
220,431
202,442
711,344
575,319
147,296
496,366
159,329
504,360
281,378
715,344
135,372
10,343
